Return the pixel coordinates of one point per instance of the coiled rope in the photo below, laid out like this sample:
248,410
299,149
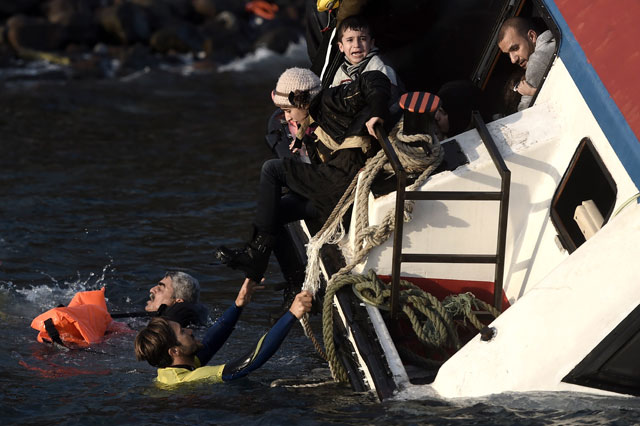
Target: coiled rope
414,159
431,320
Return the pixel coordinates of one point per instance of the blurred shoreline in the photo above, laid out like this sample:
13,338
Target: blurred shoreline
118,38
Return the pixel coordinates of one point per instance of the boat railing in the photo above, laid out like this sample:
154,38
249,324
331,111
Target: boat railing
401,195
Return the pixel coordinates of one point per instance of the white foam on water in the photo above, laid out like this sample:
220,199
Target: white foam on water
295,52
30,69
49,295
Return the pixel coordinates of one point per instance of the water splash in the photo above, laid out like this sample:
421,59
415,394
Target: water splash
49,295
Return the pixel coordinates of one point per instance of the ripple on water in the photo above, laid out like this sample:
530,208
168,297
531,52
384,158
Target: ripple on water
111,183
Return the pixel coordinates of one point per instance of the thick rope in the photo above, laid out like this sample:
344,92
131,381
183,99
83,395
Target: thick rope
436,328
413,159
297,383
431,320
308,331
413,300
463,304
337,369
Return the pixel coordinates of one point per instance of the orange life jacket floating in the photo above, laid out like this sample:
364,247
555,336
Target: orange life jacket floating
84,321
263,9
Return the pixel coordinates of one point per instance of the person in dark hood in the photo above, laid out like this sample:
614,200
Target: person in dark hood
458,99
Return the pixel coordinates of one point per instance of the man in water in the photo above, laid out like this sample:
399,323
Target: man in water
181,358
176,296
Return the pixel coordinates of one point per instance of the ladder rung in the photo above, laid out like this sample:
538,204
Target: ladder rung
452,195
448,258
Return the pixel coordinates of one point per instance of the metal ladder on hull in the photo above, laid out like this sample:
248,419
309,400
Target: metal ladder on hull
501,196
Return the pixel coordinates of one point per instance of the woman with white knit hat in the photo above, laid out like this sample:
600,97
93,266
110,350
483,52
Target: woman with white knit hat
335,124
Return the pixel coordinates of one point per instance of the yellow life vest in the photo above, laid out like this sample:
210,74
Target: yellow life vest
176,375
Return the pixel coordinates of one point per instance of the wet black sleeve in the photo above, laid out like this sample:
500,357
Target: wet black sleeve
218,333
263,350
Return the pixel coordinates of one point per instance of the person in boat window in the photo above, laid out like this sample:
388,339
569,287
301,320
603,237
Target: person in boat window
176,296
335,126
180,358
360,54
457,100
528,49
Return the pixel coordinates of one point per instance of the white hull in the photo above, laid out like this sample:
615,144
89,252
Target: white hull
537,145
562,318
562,305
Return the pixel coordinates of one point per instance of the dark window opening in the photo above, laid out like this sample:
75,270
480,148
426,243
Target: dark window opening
586,178
423,40
496,75
613,364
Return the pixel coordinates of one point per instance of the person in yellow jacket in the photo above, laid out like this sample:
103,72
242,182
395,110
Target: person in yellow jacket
181,358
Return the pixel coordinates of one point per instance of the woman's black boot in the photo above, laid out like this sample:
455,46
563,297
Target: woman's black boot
253,259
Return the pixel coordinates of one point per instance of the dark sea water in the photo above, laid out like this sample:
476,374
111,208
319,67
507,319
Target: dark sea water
108,184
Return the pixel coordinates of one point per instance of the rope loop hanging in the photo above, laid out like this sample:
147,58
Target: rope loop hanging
432,321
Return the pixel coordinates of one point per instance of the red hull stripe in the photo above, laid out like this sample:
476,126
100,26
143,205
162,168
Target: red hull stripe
608,33
441,288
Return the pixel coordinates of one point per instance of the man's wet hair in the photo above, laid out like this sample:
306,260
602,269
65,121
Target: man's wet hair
355,23
153,342
520,24
185,286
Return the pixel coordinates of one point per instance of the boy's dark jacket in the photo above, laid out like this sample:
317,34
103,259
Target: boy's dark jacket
341,112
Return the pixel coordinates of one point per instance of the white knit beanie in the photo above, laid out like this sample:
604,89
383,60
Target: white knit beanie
295,89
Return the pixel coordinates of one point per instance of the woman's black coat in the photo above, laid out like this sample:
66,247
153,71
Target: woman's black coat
341,112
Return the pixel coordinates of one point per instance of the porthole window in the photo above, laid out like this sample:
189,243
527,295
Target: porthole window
584,199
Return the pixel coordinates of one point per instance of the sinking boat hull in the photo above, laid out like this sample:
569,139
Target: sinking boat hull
571,318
